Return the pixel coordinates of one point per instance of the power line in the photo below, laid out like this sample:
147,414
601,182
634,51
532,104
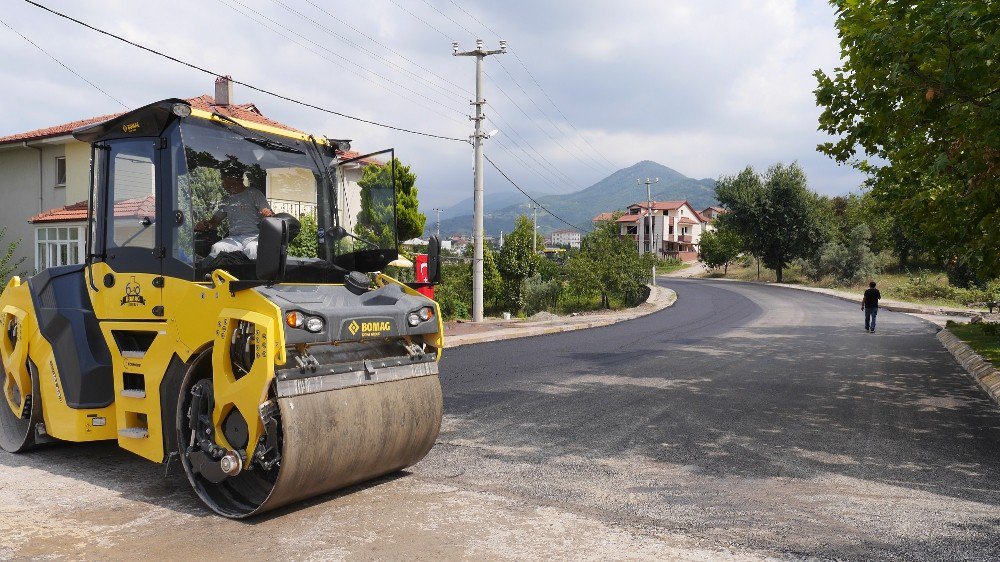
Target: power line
62,64
584,160
372,72
413,75
241,83
388,48
532,199
536,82
510,128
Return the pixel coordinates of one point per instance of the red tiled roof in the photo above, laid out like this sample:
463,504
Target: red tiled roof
701,217
661,205
601,217
142,207
714,208
685,220
244,111
628,218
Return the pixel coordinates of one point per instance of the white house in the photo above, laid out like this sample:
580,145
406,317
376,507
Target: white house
676,228
45,181
571,238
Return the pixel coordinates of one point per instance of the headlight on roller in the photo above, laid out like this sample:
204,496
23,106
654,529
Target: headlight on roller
413,319
425,313
314,324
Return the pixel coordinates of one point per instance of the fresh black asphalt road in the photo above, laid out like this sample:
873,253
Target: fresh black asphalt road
756,418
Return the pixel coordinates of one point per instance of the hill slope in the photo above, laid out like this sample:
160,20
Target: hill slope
614,192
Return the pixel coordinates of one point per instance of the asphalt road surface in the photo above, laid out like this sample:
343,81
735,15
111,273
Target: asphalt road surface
746,421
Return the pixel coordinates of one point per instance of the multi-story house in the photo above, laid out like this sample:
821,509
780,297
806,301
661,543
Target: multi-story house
45,181
674,230
571,238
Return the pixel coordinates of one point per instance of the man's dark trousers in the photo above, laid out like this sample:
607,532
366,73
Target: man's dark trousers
870,313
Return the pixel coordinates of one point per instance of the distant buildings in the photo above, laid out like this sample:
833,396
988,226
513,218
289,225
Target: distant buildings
570,238
676,227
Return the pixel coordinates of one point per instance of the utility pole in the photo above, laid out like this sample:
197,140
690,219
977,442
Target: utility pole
477,195
652,221
534,229
438,211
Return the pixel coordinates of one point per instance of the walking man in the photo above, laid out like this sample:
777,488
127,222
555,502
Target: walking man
869,303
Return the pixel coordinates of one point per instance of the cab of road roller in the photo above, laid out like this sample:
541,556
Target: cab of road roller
272,366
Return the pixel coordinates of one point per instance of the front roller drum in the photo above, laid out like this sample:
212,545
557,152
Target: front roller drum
332,439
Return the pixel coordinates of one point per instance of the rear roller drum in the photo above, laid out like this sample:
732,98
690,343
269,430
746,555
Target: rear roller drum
17,430
314,443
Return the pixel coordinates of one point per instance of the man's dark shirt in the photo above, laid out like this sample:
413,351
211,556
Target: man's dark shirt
872,297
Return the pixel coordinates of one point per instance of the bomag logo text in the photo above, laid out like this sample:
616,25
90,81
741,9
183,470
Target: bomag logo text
375,327
369,329
130,127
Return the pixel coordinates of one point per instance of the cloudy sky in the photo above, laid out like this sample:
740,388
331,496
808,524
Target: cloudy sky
703,86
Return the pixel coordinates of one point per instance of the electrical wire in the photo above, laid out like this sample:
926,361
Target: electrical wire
535,81
532,199
446,91
463,89
584,159
242,83
64,65
340,58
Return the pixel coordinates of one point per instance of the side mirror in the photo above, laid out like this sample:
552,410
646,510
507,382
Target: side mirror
434,260
272,249
293,224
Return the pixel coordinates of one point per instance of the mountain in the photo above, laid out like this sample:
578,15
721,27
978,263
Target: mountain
614,192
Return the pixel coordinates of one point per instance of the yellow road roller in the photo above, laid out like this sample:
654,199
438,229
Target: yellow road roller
210,328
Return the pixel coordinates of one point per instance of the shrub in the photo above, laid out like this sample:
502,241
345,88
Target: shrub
540,295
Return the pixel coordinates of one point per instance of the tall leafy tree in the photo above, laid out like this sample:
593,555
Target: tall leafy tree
916,104
376,213
607,266
517,262
774,213
719,248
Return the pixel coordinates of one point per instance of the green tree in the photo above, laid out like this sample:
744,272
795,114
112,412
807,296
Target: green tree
916,105
306,244
8,265
608,266
719,248
375,218
775,214
517,262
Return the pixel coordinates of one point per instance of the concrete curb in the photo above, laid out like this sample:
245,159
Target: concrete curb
659,298
982,370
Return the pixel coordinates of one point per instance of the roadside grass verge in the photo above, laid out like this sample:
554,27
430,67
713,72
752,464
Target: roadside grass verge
983,338
923,286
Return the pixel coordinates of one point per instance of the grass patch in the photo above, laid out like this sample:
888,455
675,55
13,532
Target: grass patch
984,338
926,286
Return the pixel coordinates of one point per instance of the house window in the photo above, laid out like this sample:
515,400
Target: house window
631,230
58,245
60,171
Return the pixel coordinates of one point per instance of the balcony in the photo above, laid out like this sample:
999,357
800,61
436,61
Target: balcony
685,238
294,208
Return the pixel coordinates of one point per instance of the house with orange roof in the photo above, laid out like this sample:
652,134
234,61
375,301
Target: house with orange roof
669,228
45,183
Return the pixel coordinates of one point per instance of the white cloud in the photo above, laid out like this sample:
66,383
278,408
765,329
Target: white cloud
705,87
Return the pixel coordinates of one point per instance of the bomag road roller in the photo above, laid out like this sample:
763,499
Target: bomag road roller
198,333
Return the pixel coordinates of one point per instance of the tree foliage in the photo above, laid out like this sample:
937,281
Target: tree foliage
719,248
775,214
517,262
608,266
375,218
8,265
306,244
916,105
